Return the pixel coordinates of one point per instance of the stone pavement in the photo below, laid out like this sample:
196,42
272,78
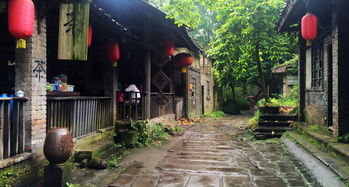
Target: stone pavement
219,154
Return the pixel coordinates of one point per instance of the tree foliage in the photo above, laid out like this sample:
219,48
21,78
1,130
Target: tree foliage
242,36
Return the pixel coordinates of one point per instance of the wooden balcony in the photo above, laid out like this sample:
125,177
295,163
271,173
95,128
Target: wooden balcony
82,115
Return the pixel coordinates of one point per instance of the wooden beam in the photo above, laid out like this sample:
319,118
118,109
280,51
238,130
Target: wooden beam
301,76
3,6
147,65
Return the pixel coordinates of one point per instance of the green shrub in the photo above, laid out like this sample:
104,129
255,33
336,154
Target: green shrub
216,114
174,130
290,100
253,122
344,138
232,105
148,133
233,109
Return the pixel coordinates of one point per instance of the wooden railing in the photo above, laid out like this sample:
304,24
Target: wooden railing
82,115
12,127
131,106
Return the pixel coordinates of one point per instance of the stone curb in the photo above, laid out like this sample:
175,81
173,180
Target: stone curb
337,166
330,143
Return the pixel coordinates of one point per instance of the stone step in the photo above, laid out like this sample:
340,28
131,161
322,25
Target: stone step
275,129
277,117
266,135
274,124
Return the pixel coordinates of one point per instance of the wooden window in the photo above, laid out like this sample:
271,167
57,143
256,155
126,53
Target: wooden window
317,61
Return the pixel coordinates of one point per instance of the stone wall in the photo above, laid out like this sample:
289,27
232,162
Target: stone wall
194,100
31,78
168,120
207,83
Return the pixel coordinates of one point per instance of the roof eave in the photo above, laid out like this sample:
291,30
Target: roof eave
286,15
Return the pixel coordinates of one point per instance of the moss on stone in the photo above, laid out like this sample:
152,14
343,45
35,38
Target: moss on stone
22,173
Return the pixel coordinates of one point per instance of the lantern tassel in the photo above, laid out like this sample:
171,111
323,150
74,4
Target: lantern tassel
21,44
309,43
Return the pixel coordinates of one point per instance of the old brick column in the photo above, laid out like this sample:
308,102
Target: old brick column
31,78
340,69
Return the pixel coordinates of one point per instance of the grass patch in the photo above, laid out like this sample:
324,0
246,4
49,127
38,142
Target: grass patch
278,102
68,184
253,122
114,161
174,130
216,114
318,129
290,100
344,138
19,174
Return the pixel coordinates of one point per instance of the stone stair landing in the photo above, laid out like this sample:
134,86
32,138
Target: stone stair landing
274,125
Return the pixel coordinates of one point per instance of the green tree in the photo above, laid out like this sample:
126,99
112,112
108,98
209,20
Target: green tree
243,40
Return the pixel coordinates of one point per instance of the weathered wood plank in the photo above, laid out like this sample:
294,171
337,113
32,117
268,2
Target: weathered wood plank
7,130
74,119
21,146
15,129
95,102
1,130
73,26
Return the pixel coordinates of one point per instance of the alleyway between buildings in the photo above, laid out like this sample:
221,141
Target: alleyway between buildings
218,153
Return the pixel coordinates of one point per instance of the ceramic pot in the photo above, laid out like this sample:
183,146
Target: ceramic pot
58,145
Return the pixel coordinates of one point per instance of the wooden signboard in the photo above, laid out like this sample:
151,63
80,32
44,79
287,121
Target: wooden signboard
73,26
292,79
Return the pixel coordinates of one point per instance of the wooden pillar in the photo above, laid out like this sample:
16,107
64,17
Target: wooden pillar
185,86
115,89
342,47
301,76
147,66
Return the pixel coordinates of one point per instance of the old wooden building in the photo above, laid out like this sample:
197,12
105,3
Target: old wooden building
69,79
324,96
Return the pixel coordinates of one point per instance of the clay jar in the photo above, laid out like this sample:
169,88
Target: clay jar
58,145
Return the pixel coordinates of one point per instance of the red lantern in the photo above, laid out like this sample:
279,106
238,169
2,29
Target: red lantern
21,19
309,26
113,52
89,36
183,60
169,48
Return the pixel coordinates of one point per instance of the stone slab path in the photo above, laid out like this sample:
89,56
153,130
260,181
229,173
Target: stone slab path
218,154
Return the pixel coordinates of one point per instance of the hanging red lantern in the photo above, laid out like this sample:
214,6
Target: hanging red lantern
21,20
169,48
113,52
89,36
309,27
183,60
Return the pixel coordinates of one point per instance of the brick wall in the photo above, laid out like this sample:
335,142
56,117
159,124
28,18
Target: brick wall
335,79
316,101
341,66
34,86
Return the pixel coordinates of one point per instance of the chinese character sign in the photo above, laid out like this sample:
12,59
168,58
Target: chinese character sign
73,31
